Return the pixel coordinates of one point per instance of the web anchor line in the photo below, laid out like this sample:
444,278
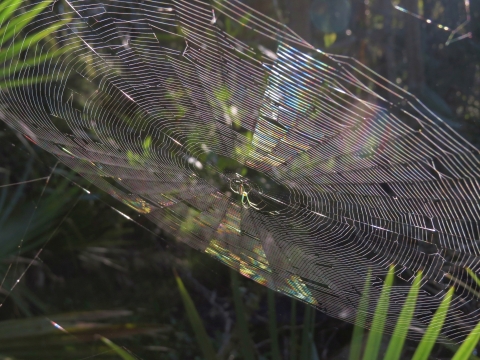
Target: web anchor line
453,32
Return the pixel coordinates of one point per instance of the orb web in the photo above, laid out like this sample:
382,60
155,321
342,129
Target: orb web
292,166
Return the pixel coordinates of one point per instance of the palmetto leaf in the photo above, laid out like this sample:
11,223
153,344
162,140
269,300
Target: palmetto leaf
375,337
433,330
357,337
9,28
395,346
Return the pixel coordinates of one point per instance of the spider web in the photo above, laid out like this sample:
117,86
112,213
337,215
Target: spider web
289,166
456,34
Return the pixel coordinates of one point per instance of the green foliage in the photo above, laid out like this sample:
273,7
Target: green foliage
379,318
466,349
329,39
9,27
474,277
118,350
397,341
65,336
395,347
357,338
308,350
134,158
146,145
433,330
196,322
55,201
53,204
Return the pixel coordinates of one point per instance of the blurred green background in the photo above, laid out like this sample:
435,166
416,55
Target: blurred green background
100,274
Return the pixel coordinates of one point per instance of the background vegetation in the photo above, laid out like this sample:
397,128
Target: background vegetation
102,275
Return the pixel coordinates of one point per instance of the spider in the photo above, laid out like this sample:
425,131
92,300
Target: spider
243,187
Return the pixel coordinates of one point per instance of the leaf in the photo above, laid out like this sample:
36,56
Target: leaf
17,24
397,341
7,7
21,65
61,335
357,336
379,317
474,277
466,349
196,322
31,40
246,342
433,330
147,142
329,39
123,354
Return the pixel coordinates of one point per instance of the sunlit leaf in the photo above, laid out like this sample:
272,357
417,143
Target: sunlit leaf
357,337
17,24
31,40
7,8
329,39
433,330
466,349
395,346
22,65
375,337
474,276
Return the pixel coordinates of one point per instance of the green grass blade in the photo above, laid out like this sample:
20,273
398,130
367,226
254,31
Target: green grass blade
118,350
468,345
474,277
17,24
433,330
7,7
293,332
376,333
357,336
397,341
306,349
272,324
21,65
246,342
29,41
196,322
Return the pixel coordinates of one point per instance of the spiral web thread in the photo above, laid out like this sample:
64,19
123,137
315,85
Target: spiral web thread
341,171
